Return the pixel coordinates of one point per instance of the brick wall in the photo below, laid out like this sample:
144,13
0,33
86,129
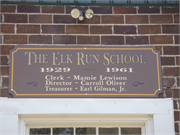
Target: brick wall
124,26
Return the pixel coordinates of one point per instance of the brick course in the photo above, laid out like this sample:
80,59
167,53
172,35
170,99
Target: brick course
8,8
40,39
167,61
171,29
169,10
136,40
115,19
53,29
28,9
161,39
101,30
171,71
94,20
77,29
168,82
63,19
7,28
171,50
4,93
151,10
149,29
5,49
118,29
64,39
176,18
40,18
124,10
52,9
136,19
15,18
102,9
30,29
88,40
114,40
161,19
4,60
4,71
15,39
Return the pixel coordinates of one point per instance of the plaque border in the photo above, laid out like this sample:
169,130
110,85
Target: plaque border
85,48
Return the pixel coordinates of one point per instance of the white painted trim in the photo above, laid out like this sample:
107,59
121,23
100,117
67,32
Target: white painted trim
155,116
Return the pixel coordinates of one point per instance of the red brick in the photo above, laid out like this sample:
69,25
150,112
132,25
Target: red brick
1,18
3,60
171,50
40,39
64,19
4,71
176,115
7,28
77,29
0,39
176,125
100,29
136,40
88,40
170,10
171,71
178,82
136,19
176,38
160,95
5,81
53,29
28,29
28,9
52,9
112,19
147,9
112,40
124,10
15,39
5,49
167,61
161,19
64,39
94,20
172,29
15,18
177,60
124,29
102,9
4,93
175,103
8,8
40,18
149,29
176,18
168,82
161,39
81,8
169,93
159,48
176,93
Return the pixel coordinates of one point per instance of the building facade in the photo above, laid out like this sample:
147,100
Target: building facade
128,26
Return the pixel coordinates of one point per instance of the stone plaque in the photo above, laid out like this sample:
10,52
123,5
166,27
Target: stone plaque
93,71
